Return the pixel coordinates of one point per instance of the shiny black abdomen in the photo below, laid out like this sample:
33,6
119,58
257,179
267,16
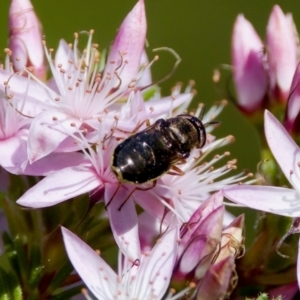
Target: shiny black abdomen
142,157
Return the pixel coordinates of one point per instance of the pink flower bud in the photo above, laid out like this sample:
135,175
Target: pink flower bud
200,238
25,38
282,50
216,280
250,77
292,116
232,239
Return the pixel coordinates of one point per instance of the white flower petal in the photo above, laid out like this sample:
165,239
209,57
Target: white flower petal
123,221
94,271
284,149
276,200
156,270
59,186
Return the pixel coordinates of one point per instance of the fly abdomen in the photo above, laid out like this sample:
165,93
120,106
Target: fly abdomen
141,158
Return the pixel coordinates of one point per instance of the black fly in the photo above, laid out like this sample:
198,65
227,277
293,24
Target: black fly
147,155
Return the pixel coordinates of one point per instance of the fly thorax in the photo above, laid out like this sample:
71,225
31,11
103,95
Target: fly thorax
185,134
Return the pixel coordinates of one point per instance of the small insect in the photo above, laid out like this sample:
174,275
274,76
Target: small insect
147,155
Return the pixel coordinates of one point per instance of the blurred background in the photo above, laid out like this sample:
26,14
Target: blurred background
199,31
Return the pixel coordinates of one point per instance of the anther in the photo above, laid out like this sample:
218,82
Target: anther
216,76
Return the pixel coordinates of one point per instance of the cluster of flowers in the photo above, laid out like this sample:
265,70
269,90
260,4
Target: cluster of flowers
61,134
266,74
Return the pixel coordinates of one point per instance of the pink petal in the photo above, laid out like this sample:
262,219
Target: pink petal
276,200
293,105
100,279
35,98
26,38
284,149
216,280
158,267
250,77
282,52
201,215
47,131
13,152
60,186
203,243
129,42
148,229
124,222
54,162
164,105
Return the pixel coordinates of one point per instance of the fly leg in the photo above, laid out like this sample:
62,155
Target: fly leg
137,189
113,196
176,171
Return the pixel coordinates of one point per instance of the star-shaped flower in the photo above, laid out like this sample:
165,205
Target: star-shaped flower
277,200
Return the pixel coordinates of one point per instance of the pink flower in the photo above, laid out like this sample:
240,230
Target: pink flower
146,278
250,77
277,200
82,91
25,38
180,195
199,239
282,47
14,128
260,78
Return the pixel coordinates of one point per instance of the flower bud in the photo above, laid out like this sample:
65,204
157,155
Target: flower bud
200,237
25,38
281,44
250,77
292,116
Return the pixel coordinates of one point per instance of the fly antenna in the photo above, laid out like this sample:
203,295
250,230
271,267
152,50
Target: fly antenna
212,123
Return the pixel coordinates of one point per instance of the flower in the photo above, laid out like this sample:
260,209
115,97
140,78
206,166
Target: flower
276,200
282,45
250,76
263,73
93,174
82,90
14,128
25,38
199,239
147,278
